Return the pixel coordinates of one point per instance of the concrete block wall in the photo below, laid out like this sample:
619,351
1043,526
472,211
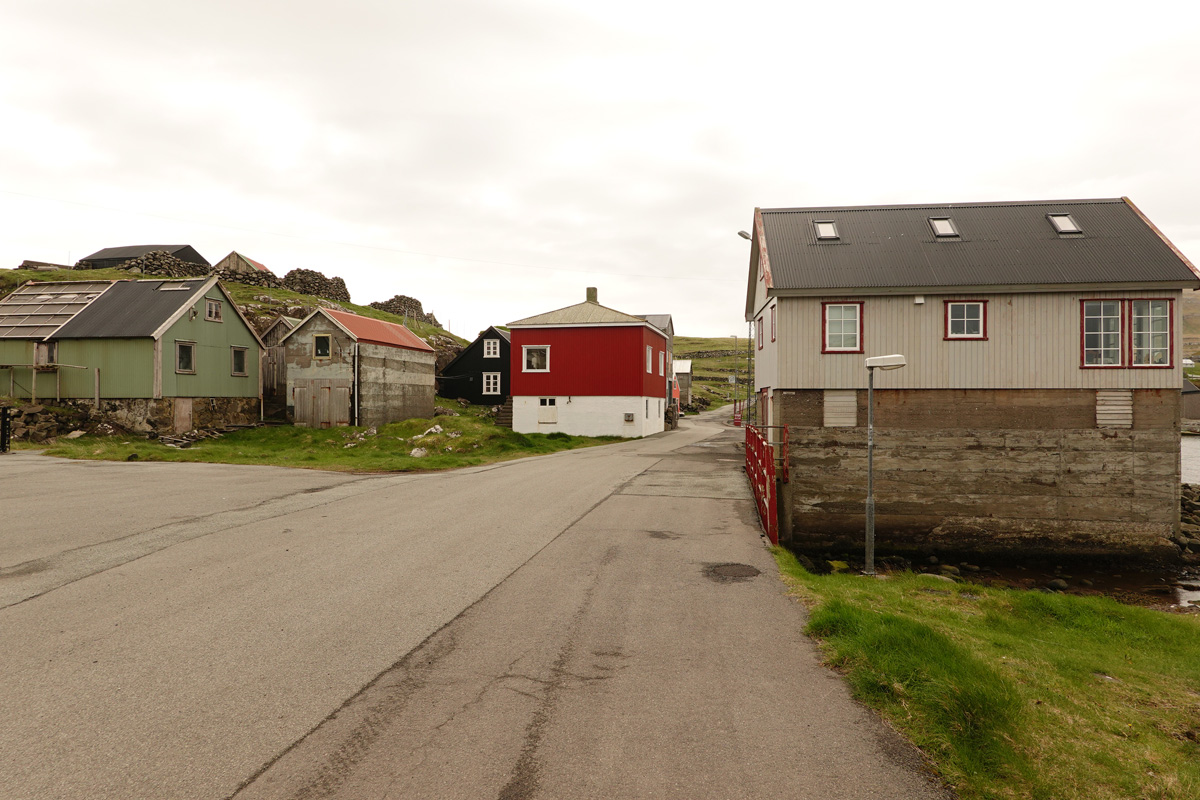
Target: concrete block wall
987,471
394,384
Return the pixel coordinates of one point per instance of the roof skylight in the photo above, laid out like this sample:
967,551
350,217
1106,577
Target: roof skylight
943,226
826,229
1063,223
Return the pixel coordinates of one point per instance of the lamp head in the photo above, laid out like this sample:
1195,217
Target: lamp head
886,362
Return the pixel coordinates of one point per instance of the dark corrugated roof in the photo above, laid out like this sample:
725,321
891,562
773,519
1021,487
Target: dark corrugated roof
133,251
131,309
998,244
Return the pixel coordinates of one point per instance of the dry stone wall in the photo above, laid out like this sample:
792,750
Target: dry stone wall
404,306
308,281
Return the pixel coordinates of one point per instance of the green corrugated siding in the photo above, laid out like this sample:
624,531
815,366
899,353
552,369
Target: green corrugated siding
16,351
214,360
126,367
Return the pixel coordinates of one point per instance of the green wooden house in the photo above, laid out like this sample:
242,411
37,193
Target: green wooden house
162,355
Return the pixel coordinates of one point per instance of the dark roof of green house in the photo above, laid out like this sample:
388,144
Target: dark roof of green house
131,309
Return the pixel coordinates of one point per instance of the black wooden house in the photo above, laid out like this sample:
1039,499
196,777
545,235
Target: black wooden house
480,373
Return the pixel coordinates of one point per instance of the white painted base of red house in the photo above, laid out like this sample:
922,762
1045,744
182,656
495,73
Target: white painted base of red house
589,416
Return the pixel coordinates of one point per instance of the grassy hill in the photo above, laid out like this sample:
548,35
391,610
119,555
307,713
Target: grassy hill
713,361
255,301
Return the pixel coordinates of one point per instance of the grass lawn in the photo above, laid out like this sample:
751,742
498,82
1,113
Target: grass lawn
1018,694
466,440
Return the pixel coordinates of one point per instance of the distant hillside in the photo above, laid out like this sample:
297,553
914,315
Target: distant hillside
713,361
1191,323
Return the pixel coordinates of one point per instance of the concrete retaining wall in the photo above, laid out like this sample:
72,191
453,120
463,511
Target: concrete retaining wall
983,471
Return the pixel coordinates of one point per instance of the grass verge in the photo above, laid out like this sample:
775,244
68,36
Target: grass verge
1018,694
464,441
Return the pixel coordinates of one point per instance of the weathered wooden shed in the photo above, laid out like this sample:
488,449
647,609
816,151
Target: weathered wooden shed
236,262
165,355
344,369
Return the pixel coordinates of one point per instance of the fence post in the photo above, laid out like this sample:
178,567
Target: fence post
5,429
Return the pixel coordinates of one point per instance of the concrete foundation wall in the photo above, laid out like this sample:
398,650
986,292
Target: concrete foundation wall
993,472
591,416
394,384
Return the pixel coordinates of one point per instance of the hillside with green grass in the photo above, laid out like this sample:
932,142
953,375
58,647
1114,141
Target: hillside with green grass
713,361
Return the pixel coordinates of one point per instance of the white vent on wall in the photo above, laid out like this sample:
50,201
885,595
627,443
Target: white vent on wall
1114,408
841,408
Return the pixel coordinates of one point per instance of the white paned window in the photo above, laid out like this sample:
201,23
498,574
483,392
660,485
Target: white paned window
491,348
536,358
649,360
491,383
842,327
1102,333
1151,322
662,363
212,310
964,320
322,345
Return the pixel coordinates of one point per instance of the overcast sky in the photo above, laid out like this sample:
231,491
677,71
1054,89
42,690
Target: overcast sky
493,159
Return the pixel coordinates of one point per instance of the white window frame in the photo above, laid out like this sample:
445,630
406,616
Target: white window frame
233,351
179,346
1143,348
1104,330
1064,223
525,351
857,347
826,229
212,310
981,319
649,360
491,383
491,348
662,363
946,231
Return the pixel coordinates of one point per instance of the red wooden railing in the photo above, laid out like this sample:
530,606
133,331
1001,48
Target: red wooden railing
767,462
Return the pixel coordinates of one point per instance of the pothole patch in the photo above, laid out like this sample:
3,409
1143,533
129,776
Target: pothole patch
730,573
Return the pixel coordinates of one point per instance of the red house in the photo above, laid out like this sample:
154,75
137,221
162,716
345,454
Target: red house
588,370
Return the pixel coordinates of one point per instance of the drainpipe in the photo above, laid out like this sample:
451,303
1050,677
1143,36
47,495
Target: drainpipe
354,402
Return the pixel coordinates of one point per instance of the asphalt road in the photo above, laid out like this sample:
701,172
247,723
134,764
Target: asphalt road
548,627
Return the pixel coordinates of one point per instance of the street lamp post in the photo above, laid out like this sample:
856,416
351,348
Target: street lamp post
874,363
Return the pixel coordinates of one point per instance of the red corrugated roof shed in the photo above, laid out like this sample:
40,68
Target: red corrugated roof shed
255,264
377,331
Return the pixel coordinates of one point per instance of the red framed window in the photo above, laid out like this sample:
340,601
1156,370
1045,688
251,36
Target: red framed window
1135,333
1100,329
1151,339
965,319
841,327
760,333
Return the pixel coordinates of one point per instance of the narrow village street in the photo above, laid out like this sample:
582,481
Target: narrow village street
597,623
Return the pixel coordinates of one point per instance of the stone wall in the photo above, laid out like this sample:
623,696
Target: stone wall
404,306
394,384
992,472
307,281
146,416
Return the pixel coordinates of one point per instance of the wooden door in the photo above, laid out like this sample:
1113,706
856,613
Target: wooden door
321,402
183,414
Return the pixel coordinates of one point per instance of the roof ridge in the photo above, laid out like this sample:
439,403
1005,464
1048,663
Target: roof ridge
984,204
